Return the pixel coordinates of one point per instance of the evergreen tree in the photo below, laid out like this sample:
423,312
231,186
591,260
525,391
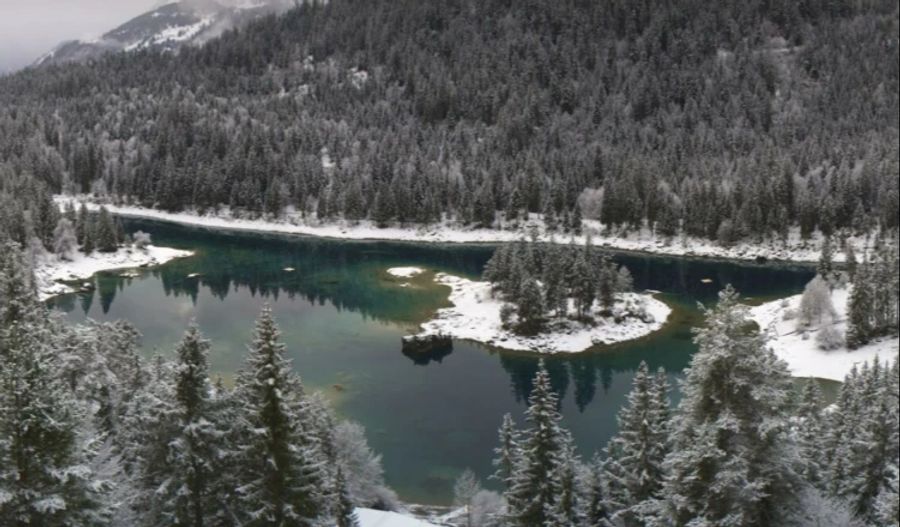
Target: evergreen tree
530,307
105,232
279,466
535,486
859,308
810,431
635,455
507,452
825,267
596,508
192,496
346,513
44,476
731,461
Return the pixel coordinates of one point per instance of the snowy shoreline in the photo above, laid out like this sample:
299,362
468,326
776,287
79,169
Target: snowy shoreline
50,271
794,250
475,316
803,356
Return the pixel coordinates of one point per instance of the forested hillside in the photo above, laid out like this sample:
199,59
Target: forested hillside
729,120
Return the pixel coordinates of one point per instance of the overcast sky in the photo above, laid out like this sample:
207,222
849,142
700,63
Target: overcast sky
30,28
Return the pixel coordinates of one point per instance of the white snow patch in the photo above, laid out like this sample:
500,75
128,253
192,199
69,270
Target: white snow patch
405,272
373,518
49,269
448,231
802,353
475,315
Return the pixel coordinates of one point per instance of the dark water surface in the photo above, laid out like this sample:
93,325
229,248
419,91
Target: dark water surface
342,318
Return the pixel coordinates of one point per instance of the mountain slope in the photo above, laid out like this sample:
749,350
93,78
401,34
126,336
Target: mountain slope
167,27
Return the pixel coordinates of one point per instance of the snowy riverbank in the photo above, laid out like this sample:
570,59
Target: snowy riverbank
794,249
50,270
475,315
800,349
373,518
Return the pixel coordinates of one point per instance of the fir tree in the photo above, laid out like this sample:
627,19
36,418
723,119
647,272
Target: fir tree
44,476
825,267
635,456
859,309
530,307
731,462
535,486
279,466
105,232
596,506
810,431
191,495
507,452
345,515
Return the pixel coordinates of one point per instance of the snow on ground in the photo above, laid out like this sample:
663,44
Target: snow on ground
794,249
799,348
405,272
475,315
373,518
49,269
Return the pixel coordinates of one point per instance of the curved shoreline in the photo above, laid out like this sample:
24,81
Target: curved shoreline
51,274
474,315
364,230
799,349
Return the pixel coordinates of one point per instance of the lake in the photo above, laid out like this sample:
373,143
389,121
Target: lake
342,318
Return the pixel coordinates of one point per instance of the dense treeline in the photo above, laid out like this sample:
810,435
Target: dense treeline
741,448
724,120
546,281
91,434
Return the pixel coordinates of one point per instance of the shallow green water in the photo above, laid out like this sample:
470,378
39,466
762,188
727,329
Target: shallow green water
342,319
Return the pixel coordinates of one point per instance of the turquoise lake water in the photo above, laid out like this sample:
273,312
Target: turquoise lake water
342,318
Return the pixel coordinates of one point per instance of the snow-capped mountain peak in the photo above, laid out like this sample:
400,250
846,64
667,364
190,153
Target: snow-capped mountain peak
168,27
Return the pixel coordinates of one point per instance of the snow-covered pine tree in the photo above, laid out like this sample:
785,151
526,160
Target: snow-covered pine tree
345,513
105,232
508,452
635,455
731,461
809,430
581,283
887,505
193,493
534,490
149,424
44,474
596,502
825,266
869,449
530,307
278,466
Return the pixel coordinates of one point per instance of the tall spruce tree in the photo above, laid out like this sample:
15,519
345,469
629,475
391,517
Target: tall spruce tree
635,455
536,485
731,461
44,474
279,466
193,495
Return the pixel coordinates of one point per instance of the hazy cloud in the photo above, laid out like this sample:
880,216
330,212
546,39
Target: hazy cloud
30,28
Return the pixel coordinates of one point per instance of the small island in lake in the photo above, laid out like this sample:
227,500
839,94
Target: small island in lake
546,298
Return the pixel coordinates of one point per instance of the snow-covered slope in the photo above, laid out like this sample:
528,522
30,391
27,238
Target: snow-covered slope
168,27
373,518
800,349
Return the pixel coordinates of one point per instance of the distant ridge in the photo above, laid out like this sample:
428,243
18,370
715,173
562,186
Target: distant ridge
167,27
